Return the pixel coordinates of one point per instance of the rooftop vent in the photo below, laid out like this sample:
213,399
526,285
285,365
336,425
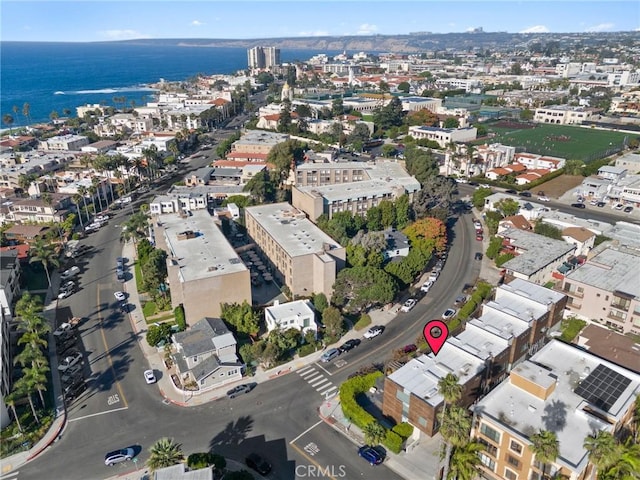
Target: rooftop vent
186,235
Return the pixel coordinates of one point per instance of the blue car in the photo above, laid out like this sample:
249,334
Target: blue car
370,454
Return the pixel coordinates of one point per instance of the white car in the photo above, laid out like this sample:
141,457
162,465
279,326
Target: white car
62,329
373,332
426,286
408,305
449,313
544,198
618,206
433,276
70,361
149,377
120,296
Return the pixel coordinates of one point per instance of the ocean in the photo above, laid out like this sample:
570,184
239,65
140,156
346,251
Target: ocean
58,76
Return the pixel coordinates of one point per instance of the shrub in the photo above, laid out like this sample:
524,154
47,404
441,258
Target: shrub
484,289
181,320
393,441
196,461
157,333
404,429
467,309
306,349
349,390
504,258
363,322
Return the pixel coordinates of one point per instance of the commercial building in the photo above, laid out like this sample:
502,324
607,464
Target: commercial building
257,142
305,258
64,142
327,188
561,389
443,136
203,268
562,115
605,289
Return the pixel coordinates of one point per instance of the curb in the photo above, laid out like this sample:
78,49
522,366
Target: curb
54,439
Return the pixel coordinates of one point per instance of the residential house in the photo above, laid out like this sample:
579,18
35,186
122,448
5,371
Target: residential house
305,259
25,233
54,208
534,161
102,146
582,238
206,353
204,270
612,346
495,155
298,314
201,176
605,289
176,203
612,173
180,471
537,257
629,161
514,221
397,244
592,394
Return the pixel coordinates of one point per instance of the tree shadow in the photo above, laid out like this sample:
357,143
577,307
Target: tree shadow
233,434
555,416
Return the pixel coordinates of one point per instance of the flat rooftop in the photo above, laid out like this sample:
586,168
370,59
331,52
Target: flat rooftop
421,375
539,251
480,342
207,255
532,291
253,137
611,270
612,346
626,234
291,309
290,228
355,190
566,413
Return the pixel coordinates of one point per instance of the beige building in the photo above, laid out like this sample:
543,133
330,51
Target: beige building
443,136
606,289
305,258
203,268
562,114
257,141
327,188
562,389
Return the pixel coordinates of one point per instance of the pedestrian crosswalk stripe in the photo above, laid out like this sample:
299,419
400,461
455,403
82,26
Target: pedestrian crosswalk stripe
305,369
311,372
325,392
313,378
322,387
319,382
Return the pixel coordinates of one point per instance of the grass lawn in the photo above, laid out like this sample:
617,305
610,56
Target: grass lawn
570,328
138,271
558,140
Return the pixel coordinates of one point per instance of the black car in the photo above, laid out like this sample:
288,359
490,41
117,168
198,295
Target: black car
349,344
512,192
239,390
628,209
578,205
473,184
525,194
478,256
67,344
257,463
600,204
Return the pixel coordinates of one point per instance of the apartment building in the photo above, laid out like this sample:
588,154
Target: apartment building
305,258
9,281
562,389
6,368
495,155
177,203
263,57
327,188
534,161
443,136
257,142
511,327
562,115
64,142
605,289
203,268
36,210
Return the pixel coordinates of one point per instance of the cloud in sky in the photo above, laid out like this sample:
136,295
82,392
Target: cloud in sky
601,27
314,33
125,34
367,29
535,29
196,23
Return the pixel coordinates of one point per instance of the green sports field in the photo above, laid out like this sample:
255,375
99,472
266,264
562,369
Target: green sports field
559,140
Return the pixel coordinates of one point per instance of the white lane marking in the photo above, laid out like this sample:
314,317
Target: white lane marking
96,414
320,381
324,370
305,369
309,373
306,431
313,378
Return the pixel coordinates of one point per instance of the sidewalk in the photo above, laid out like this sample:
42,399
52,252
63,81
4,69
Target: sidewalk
143,473
421,456
14,462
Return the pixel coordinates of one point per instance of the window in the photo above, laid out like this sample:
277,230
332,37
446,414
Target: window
487,461
510,475
489,432
488,447
511,460
515,447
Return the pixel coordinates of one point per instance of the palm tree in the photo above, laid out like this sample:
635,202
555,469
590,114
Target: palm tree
98,190
635,420
7,119
38,378
26,111
44,253
76,201
603,449
374,433
82,191
465,462
455,427
627,465
15,111
10,400
24,387
164,453
546,448
450,389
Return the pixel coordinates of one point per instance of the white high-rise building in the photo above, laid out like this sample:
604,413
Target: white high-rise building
263,57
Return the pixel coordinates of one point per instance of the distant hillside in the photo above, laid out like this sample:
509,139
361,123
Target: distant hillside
411,43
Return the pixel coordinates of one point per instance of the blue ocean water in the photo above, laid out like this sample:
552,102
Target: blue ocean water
59,76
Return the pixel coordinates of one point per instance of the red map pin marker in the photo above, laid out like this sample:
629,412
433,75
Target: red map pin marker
435,333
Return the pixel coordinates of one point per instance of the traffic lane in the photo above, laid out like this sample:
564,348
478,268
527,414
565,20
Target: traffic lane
322,452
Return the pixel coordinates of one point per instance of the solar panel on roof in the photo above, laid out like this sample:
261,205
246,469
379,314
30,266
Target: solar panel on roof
603,387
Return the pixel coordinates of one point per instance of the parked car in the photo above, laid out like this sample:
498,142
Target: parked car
544,198
525,194
330,355
65,345
511,191
149,377
69,361
594,201
72,375
371,455
350,344
600,204
426,286
63,329
479,237
433,276
460,299
449,313
74,389
478,256
408,305
69,273
409,348
240,390
65,293
118,456
258,463
578,205
628,209
373,332
617,206
120,296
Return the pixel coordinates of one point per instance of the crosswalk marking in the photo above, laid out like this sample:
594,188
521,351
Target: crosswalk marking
305,369
313,378
318,381
328,390
309,373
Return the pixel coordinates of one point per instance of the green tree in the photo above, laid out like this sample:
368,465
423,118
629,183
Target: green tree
478,196
11,400
451,122
284,155
333,323
603,450
627,463
154,270
545,447
507,207
465,462
37,378
360,133
320,302
262,187
390,115
495,245
284,122
548,230
23,386
164,453
387,213
526,114
573,167
242,316
451,390
337,107
8,120
158,333
421,164
374,433
46,254
455,426
359,288
403,211
404,87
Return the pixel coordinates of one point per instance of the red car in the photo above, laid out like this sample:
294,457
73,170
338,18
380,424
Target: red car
479,237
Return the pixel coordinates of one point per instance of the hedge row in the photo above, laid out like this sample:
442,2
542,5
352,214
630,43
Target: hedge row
348,392
179,315
482,292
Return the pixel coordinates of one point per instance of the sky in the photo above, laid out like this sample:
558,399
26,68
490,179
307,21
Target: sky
90,21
